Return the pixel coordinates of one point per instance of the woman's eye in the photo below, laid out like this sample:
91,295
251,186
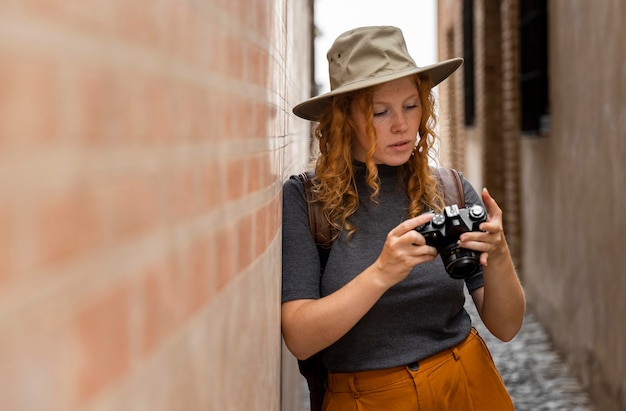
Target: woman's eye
411,107
379,113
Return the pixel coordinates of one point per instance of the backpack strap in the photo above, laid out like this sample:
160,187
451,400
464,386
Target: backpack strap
452,186
321,229
313,368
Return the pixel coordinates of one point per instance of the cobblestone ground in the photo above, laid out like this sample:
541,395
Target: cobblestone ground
534,373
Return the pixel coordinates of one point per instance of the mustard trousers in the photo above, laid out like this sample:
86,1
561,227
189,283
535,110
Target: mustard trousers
463,378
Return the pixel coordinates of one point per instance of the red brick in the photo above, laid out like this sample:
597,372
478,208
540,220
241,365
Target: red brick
6,244
234,56
134,120
95,16
211,187
235,184
29,101
137,22
198,285
261,231
244,127
245,237
68,225
162,302
135,207
263,117
184,199
158,98
259,66
225,251
255,165
103,332
225,111
200,104
213,54
97,109
262,17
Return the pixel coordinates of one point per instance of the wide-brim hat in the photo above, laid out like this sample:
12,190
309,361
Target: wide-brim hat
365,57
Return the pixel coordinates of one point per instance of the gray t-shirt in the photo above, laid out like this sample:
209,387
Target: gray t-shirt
418,317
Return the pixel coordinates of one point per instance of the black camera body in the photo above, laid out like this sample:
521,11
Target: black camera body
443,232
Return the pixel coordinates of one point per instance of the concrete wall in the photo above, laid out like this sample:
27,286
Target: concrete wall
143,145
574,178
562,193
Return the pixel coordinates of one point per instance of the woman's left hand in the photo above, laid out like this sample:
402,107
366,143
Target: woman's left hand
500,302
490,240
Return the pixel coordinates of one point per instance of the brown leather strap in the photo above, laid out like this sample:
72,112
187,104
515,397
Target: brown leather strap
452,186
321,229
307,182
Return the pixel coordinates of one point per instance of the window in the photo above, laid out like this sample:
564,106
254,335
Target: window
535,105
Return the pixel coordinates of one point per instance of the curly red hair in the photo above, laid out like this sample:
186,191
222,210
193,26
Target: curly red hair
334,167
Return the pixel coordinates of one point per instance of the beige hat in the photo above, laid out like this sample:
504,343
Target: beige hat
365,57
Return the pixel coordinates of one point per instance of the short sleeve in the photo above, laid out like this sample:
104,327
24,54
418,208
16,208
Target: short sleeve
300,259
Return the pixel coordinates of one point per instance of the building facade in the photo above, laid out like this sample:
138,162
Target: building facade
537,115
143,146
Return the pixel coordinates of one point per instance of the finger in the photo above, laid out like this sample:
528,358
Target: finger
415,238
490,227
490,203
483,259
474,237
423,253
410,224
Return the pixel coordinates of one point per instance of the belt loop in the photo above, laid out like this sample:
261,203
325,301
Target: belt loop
456,353
353,386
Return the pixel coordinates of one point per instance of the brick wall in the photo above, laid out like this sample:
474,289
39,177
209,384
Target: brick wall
562,193
485,151
142,150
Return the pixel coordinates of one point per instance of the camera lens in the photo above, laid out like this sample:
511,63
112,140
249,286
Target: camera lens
460,262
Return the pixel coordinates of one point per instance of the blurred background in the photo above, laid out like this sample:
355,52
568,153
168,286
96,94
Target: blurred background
143,147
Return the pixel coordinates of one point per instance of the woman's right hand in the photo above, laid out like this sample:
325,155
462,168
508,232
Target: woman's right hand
404,249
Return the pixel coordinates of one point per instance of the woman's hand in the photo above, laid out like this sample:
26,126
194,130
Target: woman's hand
490,240
500,302
312,325
404,249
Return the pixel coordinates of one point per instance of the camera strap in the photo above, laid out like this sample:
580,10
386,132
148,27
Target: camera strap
452,186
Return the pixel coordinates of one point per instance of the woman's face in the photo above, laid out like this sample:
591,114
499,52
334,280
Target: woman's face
397,116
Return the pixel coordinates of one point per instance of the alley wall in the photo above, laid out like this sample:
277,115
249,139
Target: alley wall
561,189
574,179
143,145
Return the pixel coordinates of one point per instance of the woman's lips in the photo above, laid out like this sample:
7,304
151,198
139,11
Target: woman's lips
400,145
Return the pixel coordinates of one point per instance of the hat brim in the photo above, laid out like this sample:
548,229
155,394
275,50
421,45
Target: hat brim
313,108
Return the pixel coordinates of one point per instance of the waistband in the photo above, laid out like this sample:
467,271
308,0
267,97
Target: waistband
376,379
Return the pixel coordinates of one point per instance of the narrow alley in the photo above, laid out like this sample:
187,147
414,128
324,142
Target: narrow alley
533,371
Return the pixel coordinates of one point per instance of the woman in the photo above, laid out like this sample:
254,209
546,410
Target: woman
387,318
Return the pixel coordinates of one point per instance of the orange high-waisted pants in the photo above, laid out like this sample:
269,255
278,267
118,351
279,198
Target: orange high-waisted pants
463,378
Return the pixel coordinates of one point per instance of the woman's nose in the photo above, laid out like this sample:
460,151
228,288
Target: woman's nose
399,123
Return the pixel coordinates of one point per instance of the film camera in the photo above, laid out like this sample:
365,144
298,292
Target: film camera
443,232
